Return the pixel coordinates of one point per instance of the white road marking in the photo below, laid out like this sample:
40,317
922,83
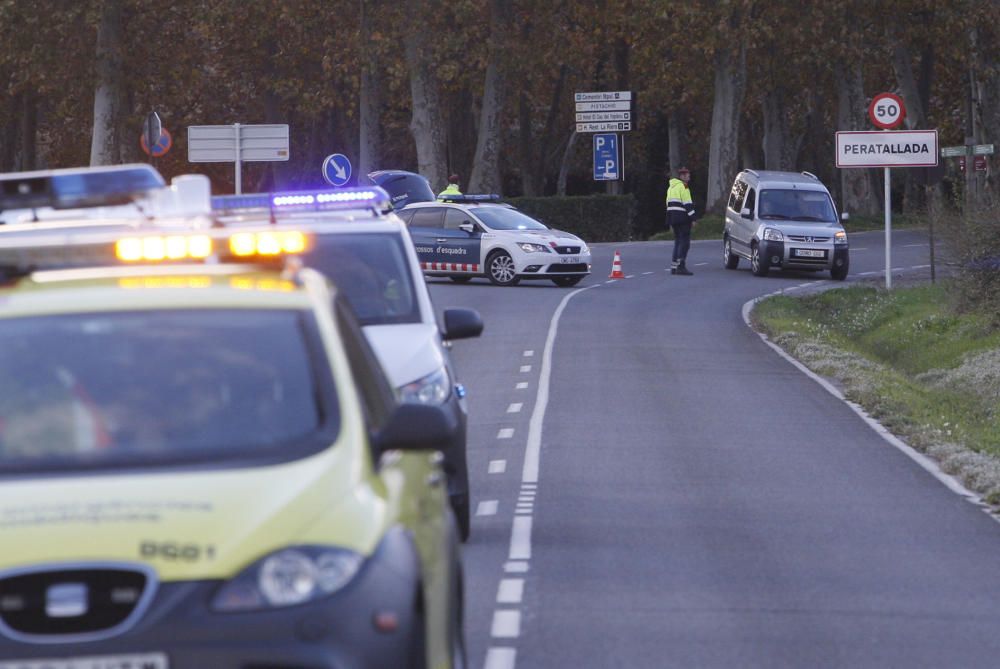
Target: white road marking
498,466
529,486
646,273
525,368
511,591
699,264
521,386
520,540
500,658
612,281
515,567
487,507
506,624
529,354
523,512
505,433
630,276
861,249
515,407
910,246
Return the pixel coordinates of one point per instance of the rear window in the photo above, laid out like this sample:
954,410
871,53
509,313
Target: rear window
796,204
372,271
104,390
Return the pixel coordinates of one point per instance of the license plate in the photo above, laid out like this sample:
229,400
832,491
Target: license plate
810,253
142,661
569,260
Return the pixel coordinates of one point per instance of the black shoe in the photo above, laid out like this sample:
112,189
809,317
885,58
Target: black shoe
673,270
684,271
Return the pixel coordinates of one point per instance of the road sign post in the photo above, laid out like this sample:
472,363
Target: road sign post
237,144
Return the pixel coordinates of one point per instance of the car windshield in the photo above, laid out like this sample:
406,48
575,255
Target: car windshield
105,390
502,218
796,205
371,270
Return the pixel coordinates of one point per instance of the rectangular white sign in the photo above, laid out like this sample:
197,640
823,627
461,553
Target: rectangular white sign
217,143
622,105
611,126
604,116
603,97
889,148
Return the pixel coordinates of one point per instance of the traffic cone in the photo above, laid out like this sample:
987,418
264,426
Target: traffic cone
616,267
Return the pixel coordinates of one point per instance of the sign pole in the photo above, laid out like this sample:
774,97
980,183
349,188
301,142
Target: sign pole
239,167
888,231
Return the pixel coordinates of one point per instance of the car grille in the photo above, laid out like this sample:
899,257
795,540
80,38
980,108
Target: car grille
71,601
575,268
567,250
808,239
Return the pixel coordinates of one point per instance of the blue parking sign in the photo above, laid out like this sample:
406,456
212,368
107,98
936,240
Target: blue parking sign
606,157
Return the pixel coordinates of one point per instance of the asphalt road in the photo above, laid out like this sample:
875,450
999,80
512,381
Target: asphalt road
698,501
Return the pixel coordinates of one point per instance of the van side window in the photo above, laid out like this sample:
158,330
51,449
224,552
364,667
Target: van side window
735,195
750,201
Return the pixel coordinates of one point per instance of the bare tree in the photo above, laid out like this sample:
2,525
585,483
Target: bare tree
109,112
426,124
486,165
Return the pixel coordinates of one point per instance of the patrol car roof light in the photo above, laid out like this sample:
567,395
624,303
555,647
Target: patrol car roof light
343,199
77,187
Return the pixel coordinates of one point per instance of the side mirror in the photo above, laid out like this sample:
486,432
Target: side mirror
416,427
467,227
746,214
844,216
462,324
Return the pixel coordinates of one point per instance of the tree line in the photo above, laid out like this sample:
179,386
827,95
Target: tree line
485,88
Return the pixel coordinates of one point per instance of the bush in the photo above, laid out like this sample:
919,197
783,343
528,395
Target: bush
594,218
976,244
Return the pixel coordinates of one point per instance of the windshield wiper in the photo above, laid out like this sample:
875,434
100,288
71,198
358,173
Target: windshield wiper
780,216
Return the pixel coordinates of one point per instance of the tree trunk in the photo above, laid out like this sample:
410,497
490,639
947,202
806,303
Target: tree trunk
723,149
105,147
676,139
486,165
902,63
370,140
526,147
29,130
564,166
425,124
775,130
8,136
857,196
988,69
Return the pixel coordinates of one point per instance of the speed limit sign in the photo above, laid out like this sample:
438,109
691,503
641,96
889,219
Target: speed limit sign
886,111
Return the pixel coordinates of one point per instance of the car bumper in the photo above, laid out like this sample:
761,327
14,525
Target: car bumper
337,631
787,255
541,266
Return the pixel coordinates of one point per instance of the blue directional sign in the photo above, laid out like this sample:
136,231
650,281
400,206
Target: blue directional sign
606,157
337,169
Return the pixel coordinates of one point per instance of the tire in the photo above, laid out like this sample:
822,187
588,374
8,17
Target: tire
730,259
463,519
839,273
500,269
567,281
461,279
757,266
459,660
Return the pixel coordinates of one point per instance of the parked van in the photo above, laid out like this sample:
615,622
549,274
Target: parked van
786,220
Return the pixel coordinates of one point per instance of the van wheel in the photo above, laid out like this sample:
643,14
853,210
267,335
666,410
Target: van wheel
839,273
461,279
731,259
500,269
758,266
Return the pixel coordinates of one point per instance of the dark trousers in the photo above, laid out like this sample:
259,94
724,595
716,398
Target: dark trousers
682,242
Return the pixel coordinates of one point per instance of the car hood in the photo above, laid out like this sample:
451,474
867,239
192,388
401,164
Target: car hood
187,524
543,236
803,228
407,351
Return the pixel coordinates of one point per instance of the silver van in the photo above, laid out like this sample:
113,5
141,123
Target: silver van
786,220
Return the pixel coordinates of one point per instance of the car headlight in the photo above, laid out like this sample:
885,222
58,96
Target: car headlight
289,577
533,248
432,389
840,237
773,235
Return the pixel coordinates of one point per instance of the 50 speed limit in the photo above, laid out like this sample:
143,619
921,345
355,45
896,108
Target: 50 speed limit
887,110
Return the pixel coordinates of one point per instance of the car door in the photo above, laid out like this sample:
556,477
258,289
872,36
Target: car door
461,245
747,226
426,226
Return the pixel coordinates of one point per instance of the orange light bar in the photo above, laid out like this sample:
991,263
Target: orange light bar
157,248
271,243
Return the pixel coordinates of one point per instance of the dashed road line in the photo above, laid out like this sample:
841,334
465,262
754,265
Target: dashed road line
520,539
500,658
488,507
525,369
515,567
506,624
505,433
521,386
498,466
646,273
515,407
529,354
510,591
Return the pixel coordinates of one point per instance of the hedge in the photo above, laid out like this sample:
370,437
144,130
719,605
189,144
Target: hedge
593,218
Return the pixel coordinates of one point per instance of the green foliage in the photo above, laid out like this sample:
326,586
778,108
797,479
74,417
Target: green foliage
594,218
976,245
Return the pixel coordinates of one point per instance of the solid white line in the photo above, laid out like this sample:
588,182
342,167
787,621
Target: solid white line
521,386
510,591
515,567
515,407
498,466
505,433
525,368
500,658
861,249
528,354
506,624
487,507
520,540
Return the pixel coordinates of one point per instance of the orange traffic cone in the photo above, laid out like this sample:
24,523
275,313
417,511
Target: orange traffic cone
616,267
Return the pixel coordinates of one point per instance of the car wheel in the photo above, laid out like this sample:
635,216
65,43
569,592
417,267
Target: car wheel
462,517
758,266
458,654
500,269
839,273
731,259
567,281
461,279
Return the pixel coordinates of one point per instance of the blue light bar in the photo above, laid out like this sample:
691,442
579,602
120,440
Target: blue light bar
77,187
304,201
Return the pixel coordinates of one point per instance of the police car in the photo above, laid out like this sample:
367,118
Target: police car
470,236
202,463
370,256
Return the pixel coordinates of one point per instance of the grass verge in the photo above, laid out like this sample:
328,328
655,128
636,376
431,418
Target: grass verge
926,372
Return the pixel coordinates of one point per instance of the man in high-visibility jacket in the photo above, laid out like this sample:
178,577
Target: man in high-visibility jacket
452,189
680,216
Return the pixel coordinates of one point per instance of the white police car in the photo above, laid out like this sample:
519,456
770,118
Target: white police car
476,236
